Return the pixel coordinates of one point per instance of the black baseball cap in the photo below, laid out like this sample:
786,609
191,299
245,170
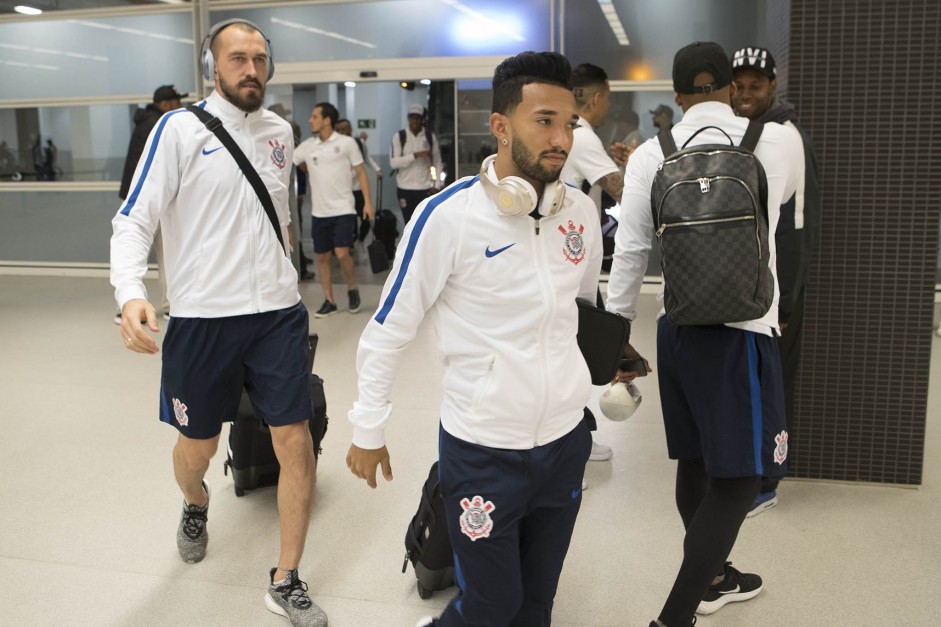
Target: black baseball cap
167,92
755,58
701,56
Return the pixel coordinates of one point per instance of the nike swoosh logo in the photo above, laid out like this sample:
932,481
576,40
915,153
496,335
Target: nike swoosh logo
733,591
494,253
576,492
209,152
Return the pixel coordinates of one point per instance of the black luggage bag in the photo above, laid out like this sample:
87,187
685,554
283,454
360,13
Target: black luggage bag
386,226
251,456
427,544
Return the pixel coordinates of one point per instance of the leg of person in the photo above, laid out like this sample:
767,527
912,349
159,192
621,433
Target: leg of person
201,383
720,419
343,244
359,203
321,230
546,531
486,493
405,204
277,379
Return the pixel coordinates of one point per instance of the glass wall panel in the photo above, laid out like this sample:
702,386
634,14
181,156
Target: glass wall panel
75,227
96,56
475,141
81,143
401,29
655,33
6,7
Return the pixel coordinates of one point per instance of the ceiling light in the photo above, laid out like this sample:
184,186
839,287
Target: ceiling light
27,10
607,7
349,84
425,81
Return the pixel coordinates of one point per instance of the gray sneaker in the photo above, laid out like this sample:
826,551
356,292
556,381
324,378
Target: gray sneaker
191,535
291,601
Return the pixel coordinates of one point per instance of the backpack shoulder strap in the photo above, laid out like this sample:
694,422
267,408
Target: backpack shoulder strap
401,142
752,135
214,124
667,143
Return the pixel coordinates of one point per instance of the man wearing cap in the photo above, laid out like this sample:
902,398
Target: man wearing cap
720,386
755,76
662,117
416,157
166,98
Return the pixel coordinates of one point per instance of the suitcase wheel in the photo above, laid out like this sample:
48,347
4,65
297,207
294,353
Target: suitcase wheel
423,592
239,491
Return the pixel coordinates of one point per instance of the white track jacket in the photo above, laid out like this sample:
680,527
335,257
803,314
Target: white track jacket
501,293
221,253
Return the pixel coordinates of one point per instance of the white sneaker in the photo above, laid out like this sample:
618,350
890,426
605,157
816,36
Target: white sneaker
599,452
584,484
427,621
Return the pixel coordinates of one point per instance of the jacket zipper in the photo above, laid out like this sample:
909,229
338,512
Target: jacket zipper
544,360
252,243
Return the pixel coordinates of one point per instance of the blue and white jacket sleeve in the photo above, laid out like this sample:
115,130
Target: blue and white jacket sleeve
423,262
153,188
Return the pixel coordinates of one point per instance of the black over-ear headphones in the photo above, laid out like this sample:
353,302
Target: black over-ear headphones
514,196
207,64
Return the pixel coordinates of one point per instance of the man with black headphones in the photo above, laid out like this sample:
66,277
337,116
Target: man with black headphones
238,320
498,260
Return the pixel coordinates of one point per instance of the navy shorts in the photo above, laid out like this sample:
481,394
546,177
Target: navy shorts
722,396
333,232
208,361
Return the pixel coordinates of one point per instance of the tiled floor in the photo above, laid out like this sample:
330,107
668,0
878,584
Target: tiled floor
89,506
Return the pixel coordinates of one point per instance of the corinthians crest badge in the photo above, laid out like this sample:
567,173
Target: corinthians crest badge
780,451
475,521
277,153
574,249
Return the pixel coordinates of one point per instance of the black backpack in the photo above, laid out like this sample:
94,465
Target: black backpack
427,545
710,211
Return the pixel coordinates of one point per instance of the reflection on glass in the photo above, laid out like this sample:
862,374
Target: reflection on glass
81,143
475,141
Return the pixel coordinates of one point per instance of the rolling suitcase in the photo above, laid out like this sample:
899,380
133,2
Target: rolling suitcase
251,456
427,544
385,227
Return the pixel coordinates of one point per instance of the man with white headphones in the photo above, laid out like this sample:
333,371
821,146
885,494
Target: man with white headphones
497,260
238,320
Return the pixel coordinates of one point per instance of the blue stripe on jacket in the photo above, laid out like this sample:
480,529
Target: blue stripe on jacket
126,209
417,229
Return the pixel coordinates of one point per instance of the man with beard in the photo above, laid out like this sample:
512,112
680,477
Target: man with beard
497,261
755,75
238,320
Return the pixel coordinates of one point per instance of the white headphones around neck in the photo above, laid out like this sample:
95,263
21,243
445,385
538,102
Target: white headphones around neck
207,64
514,196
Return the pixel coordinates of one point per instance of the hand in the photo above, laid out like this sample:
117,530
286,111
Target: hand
620,153
292,238
368,211
362,463
134,315
423,154
629,375
378,174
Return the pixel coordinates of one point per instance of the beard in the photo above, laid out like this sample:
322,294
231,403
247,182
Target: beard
529,165
248,103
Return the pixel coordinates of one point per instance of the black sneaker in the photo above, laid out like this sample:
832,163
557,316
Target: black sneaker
191,535
291,601
327,309
354,300
735,586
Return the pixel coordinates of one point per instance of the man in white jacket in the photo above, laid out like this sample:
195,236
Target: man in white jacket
237,317
497,260
720,385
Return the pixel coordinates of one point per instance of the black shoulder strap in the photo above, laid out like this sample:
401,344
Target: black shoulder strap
362,150
214,124
752,135
667,144
430,138
401,142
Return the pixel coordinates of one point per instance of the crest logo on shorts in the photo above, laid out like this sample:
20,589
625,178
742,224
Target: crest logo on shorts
574,249
780,450
277,153
475,521
179,410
